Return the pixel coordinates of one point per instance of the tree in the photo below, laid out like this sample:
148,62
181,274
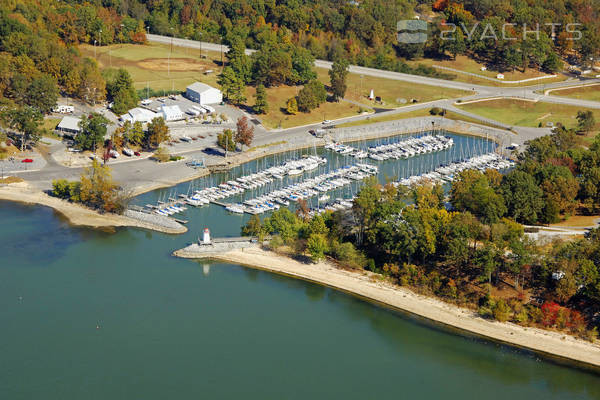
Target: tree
121,92
260,105
524,199
232,85
585,121
93,130
337,75
244,132
225,141
42,94
457,44
157,133
92,88
311,96
471,191
97,189
291,106
253,227
317,246
135,134
239,62
162,154
26,120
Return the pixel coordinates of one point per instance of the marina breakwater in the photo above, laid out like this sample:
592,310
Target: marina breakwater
215,248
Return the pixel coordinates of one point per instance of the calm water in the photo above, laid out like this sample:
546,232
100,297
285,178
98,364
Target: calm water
92,315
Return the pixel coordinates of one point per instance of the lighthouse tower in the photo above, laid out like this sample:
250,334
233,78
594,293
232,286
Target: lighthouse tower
206,236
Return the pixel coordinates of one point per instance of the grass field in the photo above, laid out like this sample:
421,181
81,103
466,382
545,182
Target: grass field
466,64
392,92
277,117
585,93
526,113
155,66
411,114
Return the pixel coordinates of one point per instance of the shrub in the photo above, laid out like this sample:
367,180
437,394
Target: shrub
502,311
275,242
162,155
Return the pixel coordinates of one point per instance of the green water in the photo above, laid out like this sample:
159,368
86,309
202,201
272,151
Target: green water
86,314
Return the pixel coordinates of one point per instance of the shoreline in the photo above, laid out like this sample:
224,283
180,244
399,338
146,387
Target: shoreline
553,345
76,214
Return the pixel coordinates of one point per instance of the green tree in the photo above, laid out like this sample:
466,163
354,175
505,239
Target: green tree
253,227
239,62
157,133
122,92
233,85
26,120
42,93
261,106
524,199
93,130
317,246
585,121
311,96
135,134
471,191
337,76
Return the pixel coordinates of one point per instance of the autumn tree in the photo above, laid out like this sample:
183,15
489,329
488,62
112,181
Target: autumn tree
225,141
244,132
97,189
291,106
157,133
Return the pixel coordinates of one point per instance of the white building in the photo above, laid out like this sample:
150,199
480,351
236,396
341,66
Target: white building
69,126
171,113
203,93
139,114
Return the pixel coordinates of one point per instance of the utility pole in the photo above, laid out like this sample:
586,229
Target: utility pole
171,39
200,41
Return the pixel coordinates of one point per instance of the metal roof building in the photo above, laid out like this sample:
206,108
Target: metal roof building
139,114
69,125
171,113
203,93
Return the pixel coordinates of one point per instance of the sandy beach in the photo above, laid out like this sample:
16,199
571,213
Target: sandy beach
370,286
76,214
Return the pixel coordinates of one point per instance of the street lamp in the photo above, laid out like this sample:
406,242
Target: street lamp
200,41
95,50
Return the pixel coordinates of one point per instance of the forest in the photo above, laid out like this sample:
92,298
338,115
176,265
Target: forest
468,245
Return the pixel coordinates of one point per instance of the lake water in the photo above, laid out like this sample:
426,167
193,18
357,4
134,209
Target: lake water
86,314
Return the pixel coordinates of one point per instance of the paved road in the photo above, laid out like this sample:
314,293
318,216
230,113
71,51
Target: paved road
149,172
482,91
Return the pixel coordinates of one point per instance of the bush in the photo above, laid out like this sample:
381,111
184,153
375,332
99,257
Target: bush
275,242
162,155
348,255
502,311
436,111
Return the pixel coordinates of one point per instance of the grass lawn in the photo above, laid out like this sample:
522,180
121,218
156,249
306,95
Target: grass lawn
585,93
526,113
411,114
466,64
155,66
50,123
277,117
579,221
391,91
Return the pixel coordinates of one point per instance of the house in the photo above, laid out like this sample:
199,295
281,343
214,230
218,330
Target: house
69,126
139,114
203,93
171,113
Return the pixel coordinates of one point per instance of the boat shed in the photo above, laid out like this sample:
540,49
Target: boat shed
171,113
139,114
69,126
203,93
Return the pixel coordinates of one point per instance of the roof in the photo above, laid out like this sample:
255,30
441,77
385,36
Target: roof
69,123
173,110
141,113
200,87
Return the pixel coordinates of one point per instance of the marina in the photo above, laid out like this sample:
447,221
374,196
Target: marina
328,178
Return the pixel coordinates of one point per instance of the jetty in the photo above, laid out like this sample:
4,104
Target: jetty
215,247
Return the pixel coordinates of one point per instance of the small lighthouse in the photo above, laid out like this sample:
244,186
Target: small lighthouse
206,236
